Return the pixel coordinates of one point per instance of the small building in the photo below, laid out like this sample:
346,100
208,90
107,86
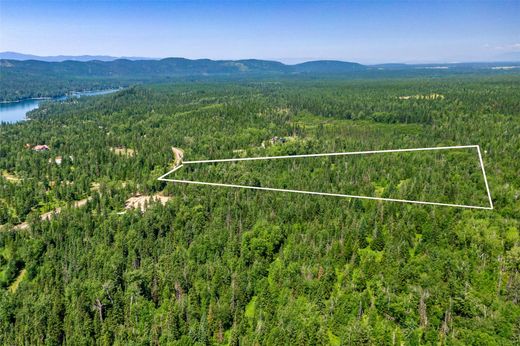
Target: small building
41,147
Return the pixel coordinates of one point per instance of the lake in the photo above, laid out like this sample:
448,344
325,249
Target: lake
11,112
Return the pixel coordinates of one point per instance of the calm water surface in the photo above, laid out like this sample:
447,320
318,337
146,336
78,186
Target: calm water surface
12,112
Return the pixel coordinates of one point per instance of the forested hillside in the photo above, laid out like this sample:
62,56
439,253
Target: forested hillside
81,265
34,78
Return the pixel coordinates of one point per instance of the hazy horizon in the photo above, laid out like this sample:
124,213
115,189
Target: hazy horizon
290,32
290,61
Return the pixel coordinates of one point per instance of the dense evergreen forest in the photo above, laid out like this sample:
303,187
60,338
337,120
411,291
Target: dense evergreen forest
204,265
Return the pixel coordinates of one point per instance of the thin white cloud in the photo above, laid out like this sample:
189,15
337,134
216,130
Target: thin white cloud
509,47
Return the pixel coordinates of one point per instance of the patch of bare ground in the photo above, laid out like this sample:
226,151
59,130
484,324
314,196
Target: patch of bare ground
11,177
143,201
178,155
432,96
95,186
50,214
21,226
122,151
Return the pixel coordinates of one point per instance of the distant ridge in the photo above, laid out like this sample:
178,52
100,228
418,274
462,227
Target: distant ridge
60,58
22,79
328,66
174,67
312,66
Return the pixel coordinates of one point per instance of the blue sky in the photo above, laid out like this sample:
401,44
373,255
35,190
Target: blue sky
289,31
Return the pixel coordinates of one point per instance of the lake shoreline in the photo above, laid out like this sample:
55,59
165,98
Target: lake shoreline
16,111
29,99
57,98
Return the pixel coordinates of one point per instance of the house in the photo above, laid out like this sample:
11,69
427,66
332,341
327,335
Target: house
40,147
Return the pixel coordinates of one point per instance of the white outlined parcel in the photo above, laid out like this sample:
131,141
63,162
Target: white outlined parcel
477,147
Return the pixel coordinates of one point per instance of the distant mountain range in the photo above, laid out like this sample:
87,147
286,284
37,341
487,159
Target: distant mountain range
309,66
173,67
21,78
60,58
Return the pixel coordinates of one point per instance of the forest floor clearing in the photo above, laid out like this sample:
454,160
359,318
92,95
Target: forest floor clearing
357,129
122,151
138,201
178,154
142,201
50,214
11,177
95,186
14,286
432,96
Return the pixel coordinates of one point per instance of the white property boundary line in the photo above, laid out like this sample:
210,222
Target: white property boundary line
163,177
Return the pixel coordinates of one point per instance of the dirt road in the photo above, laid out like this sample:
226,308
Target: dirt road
178,154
